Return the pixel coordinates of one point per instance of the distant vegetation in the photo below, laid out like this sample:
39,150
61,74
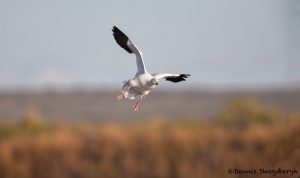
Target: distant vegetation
246,134
101,105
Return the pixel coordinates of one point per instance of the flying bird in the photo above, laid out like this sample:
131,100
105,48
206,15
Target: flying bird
143,82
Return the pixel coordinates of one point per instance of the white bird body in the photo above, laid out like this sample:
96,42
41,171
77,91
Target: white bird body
143,82
138,86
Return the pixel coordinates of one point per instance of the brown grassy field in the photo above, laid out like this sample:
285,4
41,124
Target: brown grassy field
244,135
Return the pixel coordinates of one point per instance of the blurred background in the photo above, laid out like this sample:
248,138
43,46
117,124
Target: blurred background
60,72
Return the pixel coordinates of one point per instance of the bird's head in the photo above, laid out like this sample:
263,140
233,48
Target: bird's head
154,81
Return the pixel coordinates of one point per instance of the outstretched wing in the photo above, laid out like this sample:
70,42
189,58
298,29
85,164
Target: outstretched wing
129,46
171,77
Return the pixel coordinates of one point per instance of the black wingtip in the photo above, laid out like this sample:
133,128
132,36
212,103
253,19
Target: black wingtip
181,77
115,29
121,38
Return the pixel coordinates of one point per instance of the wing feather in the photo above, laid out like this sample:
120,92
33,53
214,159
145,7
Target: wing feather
129,46
121,39
172,77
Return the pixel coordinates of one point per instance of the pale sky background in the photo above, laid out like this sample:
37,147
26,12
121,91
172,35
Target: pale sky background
245,43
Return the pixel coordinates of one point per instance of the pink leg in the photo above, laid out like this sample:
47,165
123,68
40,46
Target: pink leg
136,105
121,95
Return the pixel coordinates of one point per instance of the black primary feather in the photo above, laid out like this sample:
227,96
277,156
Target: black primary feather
179,78
121,38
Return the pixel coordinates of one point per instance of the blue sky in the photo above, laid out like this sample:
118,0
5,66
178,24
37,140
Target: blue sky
221,43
